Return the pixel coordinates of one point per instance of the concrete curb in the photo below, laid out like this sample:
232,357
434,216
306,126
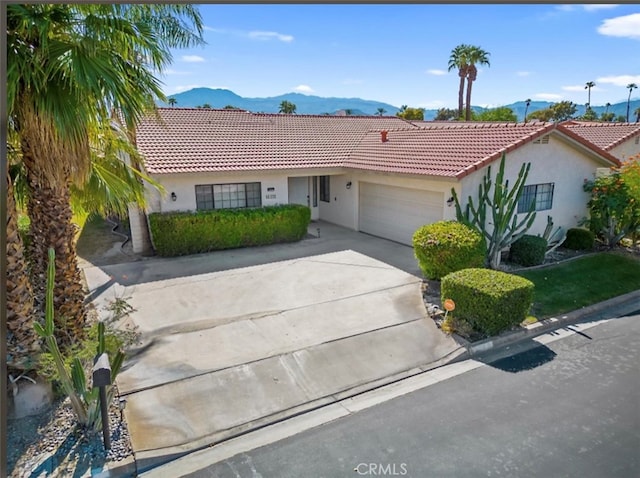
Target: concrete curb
617,306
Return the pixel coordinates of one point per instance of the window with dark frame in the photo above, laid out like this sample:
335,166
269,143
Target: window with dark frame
542,194
325,191
228,196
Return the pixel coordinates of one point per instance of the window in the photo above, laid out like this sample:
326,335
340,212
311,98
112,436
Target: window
228,196
542,194
325,193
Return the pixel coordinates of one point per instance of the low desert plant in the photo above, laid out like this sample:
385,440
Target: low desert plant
528,250
580,239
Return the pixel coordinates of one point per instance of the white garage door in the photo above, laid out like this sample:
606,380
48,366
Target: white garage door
395,213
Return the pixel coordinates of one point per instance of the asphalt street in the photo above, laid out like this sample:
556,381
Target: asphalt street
570,408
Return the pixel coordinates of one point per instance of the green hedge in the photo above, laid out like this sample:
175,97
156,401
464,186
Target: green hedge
528,250
182,233
491,301
448,246
579,239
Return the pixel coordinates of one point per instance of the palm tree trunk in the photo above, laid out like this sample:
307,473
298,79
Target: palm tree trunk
463,74
468,106
23,344
51,226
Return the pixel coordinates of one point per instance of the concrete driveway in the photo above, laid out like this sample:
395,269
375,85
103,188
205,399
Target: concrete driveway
236,340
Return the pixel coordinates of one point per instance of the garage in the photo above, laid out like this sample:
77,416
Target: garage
395,213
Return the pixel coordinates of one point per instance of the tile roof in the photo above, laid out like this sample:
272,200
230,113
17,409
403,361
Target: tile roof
190,140
443,149
604,135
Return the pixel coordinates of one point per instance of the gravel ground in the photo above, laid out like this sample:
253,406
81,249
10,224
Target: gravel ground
51,444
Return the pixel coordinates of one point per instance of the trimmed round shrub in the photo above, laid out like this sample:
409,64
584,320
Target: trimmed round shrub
491,301
579,239
528,250
448,246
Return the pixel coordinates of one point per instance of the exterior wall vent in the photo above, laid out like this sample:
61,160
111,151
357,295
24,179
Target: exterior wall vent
543,140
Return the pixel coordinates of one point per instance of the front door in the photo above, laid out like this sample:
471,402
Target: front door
304,190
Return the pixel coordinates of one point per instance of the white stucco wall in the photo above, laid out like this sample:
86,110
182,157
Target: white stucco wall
183,185
343,208
556,162
627,149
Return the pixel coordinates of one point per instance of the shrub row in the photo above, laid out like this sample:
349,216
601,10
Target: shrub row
528,250
182,233
491,301
579,239
448,246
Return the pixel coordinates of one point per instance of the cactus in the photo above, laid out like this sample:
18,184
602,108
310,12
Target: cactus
67,382
84,399
503,228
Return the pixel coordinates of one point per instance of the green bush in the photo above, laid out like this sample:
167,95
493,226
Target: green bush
491,301
182,233
528,250
447,246
579,239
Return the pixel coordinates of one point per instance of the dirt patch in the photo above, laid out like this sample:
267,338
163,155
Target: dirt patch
104,242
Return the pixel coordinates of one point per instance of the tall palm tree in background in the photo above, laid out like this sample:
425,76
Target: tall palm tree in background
475,56
637,113
588,86
172,102
527,103
380,111
606,108
70,66
458,60
631,87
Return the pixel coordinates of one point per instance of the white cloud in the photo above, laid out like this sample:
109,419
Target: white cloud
303,89
620,80
192,59
523,73
599,6
437,72
580,88
627,26
172,90
586,8
547,96
257,35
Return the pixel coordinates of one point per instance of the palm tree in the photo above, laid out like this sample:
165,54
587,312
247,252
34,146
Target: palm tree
458,59
631,87
287,107
588,86
172,101
606,108
474,55
527,102
89,60
381,111
637,113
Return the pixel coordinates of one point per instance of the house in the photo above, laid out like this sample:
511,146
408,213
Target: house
380,175
622,140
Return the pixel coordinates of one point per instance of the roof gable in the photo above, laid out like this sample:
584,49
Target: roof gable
603,134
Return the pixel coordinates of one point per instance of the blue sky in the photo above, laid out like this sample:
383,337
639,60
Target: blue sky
398,54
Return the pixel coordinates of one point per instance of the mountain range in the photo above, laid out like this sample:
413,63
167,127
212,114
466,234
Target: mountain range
317,105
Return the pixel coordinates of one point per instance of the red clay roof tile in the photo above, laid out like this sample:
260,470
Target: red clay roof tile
207,140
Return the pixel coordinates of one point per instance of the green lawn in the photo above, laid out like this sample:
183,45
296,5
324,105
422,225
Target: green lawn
585,281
